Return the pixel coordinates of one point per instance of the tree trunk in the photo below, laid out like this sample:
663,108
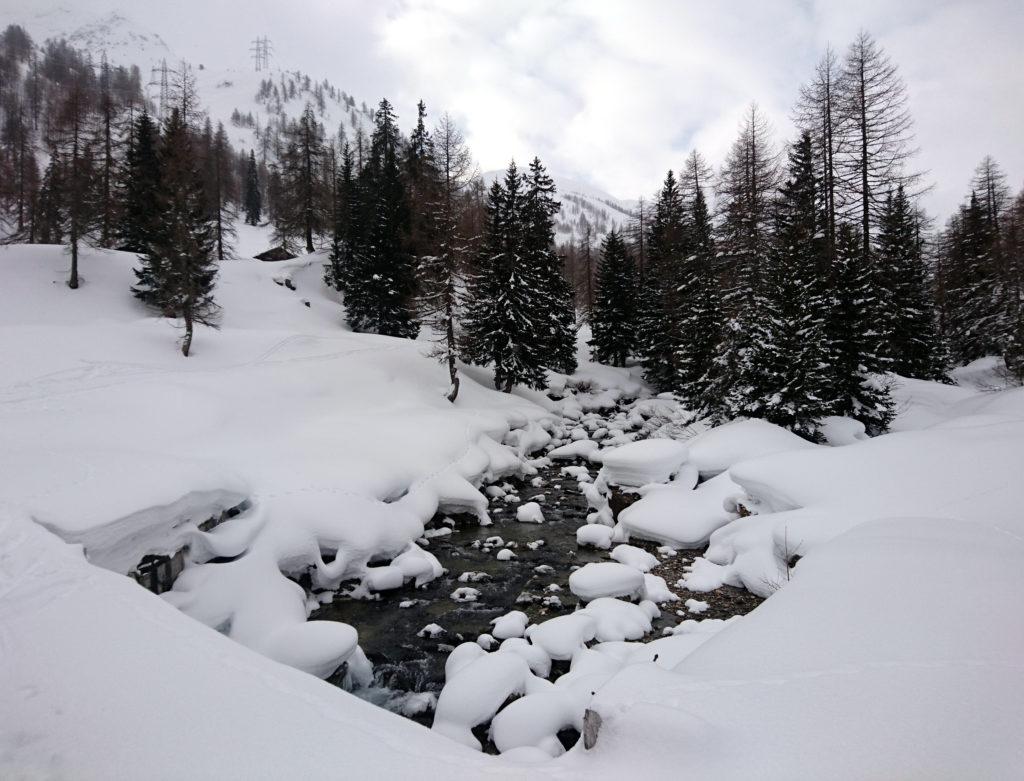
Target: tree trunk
865,196
453,374
186,342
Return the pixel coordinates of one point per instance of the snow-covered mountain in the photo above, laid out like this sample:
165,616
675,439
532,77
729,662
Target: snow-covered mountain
583,205
246,101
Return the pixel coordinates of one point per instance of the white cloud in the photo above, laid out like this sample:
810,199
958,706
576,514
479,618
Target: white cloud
616,92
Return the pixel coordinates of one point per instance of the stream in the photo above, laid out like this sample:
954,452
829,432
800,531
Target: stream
409,663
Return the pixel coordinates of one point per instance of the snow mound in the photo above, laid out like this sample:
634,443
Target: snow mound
647,461
606,579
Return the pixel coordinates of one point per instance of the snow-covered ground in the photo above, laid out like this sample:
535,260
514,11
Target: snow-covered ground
891,645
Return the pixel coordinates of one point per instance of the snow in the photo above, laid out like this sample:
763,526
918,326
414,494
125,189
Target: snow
634,557
719,448
869,625
562,636
596,535
584,448
605,579
679,515
474,692
643,462
509,625
529,512
695,606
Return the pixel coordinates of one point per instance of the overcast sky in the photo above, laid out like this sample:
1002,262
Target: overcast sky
617,92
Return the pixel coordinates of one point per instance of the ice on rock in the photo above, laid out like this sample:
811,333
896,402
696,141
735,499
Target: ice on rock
466,594
634,557
544,569
640,463
473,577
596,535
511,624
562,636
580,473
529,512
431,631
606,579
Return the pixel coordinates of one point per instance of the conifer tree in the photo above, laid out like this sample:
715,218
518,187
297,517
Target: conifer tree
910,343
747,186
301,209
860,391
181,252
659,309
141,181
614,321
440,269
789,384
553,302
252,199
699,314
383,267
338,270
499,327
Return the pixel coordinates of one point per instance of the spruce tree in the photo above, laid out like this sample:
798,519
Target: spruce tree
698,313
383,268
182,250
499,325
141,182
790,383
614,321
666,249
859,390
910,343
252,199
553,306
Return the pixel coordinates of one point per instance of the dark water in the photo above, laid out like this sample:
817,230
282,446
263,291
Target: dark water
388,633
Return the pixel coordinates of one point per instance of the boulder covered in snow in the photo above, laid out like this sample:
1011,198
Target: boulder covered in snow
606,579
640,463
716,450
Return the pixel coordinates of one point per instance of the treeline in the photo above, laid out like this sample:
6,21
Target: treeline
83,161
814,276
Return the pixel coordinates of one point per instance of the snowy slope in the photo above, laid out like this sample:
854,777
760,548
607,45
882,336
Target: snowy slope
582,203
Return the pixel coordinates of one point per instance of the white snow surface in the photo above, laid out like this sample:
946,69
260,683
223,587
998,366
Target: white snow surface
643,462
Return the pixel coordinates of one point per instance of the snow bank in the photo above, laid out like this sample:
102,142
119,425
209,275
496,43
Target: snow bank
647,461
869,625
679,515
719,448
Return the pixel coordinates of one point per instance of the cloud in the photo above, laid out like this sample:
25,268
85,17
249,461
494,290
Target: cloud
613,92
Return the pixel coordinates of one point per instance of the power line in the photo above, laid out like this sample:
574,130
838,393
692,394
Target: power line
261,49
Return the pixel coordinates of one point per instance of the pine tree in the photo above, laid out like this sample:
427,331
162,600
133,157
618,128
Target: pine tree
614,321
789,384
383,267
252,199
553,309
747,186
141,181
911,343
499,326
699,313
183,246
860,391
666,249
